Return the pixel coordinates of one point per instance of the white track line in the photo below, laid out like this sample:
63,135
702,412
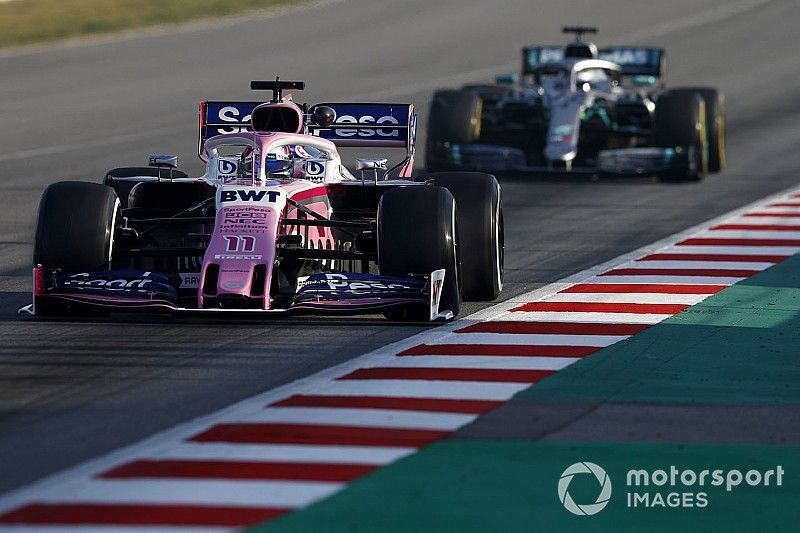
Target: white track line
779,209
191,492
601,318
417,388
529,339
747,234
669,280
715,265
505,362
291,453
338,416
628,298
760,221
730,250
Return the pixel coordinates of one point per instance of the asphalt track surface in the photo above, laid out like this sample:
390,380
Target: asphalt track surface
72,390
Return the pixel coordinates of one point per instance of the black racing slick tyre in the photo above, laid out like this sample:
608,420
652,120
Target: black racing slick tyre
455,117
481,236
75,228
715,124
680,123
489,94
417,235
123,179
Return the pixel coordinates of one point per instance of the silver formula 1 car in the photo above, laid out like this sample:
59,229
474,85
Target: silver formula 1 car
580,109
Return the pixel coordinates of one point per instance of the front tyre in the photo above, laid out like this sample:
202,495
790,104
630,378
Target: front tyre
75,227
481,231
417,235
715,124
680,123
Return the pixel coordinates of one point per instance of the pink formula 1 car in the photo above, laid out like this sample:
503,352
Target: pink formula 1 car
277,224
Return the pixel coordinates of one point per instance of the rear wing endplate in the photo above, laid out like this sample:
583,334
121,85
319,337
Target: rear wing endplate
223,118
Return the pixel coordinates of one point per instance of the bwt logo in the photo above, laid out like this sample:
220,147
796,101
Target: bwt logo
367,132
250,196
227,167
313,168
586,509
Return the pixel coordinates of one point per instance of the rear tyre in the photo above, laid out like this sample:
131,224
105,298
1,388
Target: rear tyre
680,123
417,235
123,179
480,231
489,94
75,228
455,116
168,197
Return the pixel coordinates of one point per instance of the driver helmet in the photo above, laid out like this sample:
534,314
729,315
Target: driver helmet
279,163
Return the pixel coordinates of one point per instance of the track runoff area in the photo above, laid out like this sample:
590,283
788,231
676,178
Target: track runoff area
267,459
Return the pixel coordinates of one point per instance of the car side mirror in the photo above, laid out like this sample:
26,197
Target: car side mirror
161,160
323,116
371,164
374,165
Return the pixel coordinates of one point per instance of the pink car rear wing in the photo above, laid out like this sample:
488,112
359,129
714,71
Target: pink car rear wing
369,125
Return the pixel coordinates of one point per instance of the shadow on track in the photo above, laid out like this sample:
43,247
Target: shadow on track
583,179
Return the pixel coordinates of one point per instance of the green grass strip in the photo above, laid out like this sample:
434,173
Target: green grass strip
35,21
